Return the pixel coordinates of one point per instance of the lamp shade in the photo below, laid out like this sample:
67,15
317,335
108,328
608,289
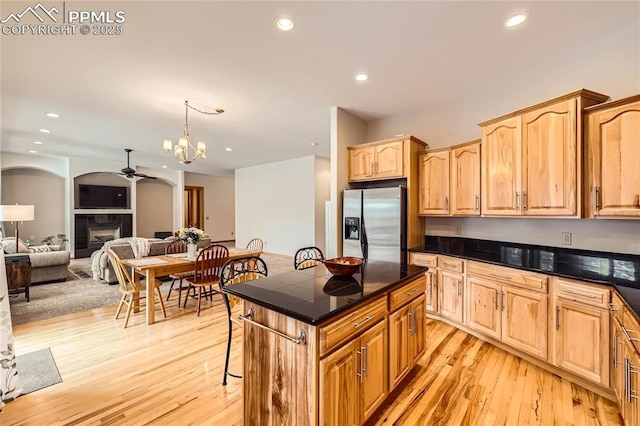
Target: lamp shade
16,213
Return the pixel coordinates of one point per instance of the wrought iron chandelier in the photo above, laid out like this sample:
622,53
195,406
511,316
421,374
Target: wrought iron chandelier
184,150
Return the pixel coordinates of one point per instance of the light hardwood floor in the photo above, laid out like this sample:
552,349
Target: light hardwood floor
171,373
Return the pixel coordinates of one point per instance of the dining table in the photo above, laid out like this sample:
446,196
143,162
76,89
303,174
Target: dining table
152,267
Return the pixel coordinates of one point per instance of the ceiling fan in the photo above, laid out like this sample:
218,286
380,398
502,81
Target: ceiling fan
129,172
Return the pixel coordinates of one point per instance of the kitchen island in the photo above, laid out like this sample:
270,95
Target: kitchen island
319,349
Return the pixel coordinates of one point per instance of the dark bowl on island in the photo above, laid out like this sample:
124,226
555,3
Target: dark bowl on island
343,266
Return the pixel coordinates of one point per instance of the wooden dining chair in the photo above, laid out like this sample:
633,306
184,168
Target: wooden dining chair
207,272
255,244
129,288
175,247
307,257
236,271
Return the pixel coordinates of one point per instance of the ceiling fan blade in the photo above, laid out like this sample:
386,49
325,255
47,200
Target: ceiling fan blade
142,175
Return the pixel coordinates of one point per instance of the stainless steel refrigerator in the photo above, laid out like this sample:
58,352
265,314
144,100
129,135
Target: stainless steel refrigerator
374,224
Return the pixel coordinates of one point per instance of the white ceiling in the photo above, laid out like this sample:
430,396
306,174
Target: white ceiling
277,88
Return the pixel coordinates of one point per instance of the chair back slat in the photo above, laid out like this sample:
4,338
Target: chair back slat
209,263
124,278
255,244
177,246
308,257
241,270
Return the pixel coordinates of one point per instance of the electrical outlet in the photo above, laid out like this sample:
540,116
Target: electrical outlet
458,229
566,238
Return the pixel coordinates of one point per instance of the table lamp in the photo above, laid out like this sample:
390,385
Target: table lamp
16,213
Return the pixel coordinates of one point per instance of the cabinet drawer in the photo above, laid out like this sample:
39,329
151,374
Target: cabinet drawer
451,264
352,324
577,291
515,277
631,329
423,259
617,306
406,293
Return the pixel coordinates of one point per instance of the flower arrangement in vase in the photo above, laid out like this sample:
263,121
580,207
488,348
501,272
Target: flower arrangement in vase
190,235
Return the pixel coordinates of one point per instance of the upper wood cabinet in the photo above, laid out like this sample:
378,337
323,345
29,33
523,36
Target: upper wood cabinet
465,179
613,147
532,159
434,182
450,180
386,159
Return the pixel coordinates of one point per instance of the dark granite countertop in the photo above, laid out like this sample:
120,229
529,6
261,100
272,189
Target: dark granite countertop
621,271
314,295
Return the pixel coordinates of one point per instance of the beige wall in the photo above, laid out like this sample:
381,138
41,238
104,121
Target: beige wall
45,191
154,207
346,130
219,204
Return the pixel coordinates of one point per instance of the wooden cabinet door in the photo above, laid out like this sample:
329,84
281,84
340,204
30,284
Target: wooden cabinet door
617,362
360,163
339,387
550,155
483,306
581,337
374,383
388,160
450,291
501,167
432,292
399,362
615,136
417,329
434,183
524,320
465,180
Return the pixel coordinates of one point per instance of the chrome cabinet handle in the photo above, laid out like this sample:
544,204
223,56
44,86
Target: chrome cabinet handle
616,342
359,373
517,199
628,370
365,349
459,287
367,319
575,293
496,300
626,334
596,201
412,292
411,315
502,300
557,317
612,307
302,337
524,200
475,203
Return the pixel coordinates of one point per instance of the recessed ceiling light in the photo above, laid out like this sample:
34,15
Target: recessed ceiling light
515,20
285,24
53,115
164,167
37,142
314,143
362,77
33,151
45,130
228,149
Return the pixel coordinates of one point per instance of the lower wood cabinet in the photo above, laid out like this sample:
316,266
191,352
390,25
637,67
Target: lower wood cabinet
353,380
515,316
432,292
406,339
450,295
581,329
581,336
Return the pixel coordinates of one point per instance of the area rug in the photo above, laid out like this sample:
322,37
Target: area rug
37,370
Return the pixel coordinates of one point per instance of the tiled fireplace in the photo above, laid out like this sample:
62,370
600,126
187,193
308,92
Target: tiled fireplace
93,230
